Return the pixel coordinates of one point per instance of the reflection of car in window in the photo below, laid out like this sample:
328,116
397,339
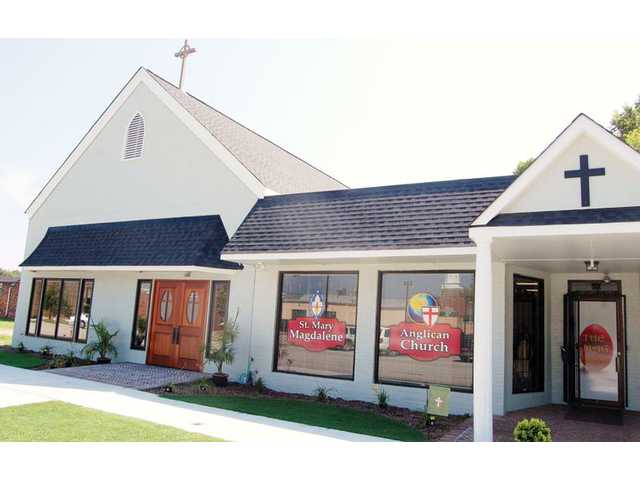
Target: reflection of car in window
384,339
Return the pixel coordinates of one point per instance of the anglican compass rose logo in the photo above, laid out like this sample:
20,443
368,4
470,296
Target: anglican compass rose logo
317,305
423,308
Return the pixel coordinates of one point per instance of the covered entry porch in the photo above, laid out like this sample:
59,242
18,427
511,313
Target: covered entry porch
578,340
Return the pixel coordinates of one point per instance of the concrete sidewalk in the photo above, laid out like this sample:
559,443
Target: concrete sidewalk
21,386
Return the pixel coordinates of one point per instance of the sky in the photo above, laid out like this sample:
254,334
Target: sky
366,111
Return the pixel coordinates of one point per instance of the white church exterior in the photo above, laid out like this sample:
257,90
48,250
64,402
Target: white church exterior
169,219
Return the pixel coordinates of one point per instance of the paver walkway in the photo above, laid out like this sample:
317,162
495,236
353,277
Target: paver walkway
131,375
19,386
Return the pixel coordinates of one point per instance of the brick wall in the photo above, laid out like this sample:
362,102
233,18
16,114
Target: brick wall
8,298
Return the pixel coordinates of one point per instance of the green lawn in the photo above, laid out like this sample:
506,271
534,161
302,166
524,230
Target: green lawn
63,422
311,413
21,360
6,330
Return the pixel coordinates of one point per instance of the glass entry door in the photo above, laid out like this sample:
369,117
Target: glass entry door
595,349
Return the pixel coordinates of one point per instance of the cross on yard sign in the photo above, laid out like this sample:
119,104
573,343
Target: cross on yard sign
438,403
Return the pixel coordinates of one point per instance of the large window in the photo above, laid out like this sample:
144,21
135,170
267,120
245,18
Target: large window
425,329
316,332
218,314
60,309
141,315
528,335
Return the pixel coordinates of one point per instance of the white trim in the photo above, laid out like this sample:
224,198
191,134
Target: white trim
135,268
346,254
582,124
554,230
142,76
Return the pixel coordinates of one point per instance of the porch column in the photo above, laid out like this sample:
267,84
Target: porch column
483,344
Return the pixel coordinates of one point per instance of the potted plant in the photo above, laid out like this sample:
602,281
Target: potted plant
223,353
102,345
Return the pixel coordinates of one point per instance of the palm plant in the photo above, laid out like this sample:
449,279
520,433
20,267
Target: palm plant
102,345
223,352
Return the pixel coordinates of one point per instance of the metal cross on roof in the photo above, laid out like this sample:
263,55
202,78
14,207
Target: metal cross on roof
583,173
183,53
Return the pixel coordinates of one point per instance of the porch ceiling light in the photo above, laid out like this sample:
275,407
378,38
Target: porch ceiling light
591,265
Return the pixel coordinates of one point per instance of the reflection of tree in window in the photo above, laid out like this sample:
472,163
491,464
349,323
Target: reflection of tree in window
141,315
218,314
50,307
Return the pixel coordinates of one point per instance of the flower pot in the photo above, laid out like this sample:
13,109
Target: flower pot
220,379
103,360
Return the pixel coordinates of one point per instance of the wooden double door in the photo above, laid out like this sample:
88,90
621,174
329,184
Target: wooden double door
178,324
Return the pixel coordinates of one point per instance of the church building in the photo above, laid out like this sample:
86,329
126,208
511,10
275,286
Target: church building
169,219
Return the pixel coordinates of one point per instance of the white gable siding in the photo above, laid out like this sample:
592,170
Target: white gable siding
551,191
177,176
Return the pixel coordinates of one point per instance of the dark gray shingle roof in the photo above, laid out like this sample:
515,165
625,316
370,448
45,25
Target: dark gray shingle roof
423,215
272,165
567,217
183,241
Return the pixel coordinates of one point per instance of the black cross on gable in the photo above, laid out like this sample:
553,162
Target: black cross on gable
583,174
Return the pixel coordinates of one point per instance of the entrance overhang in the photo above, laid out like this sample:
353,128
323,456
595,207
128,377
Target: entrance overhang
564,248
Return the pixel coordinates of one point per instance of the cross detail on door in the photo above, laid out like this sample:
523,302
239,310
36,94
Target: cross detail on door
583,173
438,402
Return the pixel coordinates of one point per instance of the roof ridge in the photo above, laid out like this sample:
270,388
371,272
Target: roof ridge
139,220
242,126
381,188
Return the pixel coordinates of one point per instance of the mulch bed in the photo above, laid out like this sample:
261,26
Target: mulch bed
409,417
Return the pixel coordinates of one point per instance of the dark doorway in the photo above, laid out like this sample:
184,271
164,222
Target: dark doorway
528,334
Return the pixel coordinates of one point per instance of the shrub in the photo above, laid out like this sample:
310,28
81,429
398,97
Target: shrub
103,344
383,398
203,385
532,430
428,419
321,394
46,351
259,385
68,359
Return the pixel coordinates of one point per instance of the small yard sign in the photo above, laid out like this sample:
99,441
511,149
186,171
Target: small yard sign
438,403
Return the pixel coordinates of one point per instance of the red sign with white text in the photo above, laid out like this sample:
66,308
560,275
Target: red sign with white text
317,334
596,347
423,342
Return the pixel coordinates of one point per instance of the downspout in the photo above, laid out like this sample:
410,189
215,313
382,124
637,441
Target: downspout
253,302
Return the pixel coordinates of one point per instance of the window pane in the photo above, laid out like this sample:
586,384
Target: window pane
166,305
85,310
193,306
50,307
68,309
141,316
34,308
317,327
426,329
528,335
219,312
